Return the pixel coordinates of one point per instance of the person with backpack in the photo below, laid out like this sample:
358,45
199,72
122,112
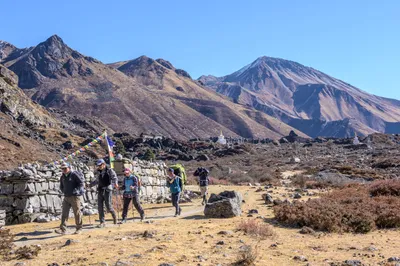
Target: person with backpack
72,186
131,192
174,183
106,180
204,180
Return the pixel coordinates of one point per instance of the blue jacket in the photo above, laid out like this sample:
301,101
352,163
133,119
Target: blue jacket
128,182
175,186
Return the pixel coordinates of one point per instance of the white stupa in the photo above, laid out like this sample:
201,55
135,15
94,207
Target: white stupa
356,141
221,139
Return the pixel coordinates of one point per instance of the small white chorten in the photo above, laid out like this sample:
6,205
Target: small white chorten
221,139
356,141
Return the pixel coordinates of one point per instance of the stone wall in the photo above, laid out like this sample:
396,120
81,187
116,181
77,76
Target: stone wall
31,192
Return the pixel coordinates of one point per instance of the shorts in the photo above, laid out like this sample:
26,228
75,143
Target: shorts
204,190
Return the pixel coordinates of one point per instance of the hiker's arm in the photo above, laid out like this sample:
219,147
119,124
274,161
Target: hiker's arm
80,182
61,184
94,182
114,178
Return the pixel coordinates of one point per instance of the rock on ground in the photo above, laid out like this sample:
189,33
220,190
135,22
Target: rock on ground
227,204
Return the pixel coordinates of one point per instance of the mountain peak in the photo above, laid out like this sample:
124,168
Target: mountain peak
54,38
5,49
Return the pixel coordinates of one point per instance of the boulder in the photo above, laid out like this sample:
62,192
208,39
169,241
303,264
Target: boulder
227,204
202,157
267,198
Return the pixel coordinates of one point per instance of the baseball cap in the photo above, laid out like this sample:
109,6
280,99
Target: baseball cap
171,170
100,162
65,165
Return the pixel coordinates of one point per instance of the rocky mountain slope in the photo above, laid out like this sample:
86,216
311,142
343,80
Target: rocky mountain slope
307,99
142,95
29,132
24,125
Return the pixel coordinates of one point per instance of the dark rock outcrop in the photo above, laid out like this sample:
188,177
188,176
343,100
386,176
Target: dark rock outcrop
227,204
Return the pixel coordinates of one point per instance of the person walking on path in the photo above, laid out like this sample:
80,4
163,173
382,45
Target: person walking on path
131,193
204,181
174,183
72,186
106,180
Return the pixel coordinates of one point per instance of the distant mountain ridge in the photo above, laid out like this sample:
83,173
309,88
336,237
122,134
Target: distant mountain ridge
307,99
142,95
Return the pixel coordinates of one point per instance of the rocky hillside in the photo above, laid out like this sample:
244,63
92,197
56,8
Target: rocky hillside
142,95
29,132
24,125
307,99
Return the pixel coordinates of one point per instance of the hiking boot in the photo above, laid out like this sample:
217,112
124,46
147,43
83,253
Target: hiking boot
122,221
101,225
60,231
78,232
142,217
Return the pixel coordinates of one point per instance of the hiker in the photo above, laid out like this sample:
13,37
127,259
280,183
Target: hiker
202,173
72,185
105,182
174,183
131,192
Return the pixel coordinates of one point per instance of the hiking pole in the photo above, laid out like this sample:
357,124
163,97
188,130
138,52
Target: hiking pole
117,196
133,211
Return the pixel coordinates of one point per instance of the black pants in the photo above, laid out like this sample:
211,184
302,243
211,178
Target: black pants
136,203
175,202
105,196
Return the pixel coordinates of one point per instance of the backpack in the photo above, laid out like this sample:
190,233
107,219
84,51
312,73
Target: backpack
202,173
179,170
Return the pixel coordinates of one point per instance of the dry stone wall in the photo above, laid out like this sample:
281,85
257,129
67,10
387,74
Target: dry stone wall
32,192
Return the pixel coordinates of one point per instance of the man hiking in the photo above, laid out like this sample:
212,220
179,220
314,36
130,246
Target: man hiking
105,181
131,192
204,180
72,186
174,183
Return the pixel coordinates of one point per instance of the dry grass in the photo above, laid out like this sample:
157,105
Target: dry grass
256,228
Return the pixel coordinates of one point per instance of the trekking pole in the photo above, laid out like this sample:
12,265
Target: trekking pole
133,211
117,196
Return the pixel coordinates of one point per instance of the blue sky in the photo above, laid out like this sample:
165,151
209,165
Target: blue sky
356,41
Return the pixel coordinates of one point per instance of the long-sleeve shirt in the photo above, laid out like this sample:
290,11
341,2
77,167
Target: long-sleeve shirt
105,179
72,184
131,181
175,184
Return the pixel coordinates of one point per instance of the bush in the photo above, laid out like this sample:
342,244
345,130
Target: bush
27,252
6,242
351,209
247,256
385,188
149,155
256,228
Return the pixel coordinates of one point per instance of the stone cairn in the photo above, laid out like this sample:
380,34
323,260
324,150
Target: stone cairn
32,192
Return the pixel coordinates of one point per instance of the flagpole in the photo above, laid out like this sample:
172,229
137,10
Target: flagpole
110,154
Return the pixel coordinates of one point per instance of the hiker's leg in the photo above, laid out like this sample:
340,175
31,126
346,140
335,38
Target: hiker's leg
173,199
136,203
76,207
178,196
126,206
108,200
100,205
66,206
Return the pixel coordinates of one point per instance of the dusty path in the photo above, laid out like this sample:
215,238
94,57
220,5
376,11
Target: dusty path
154,212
